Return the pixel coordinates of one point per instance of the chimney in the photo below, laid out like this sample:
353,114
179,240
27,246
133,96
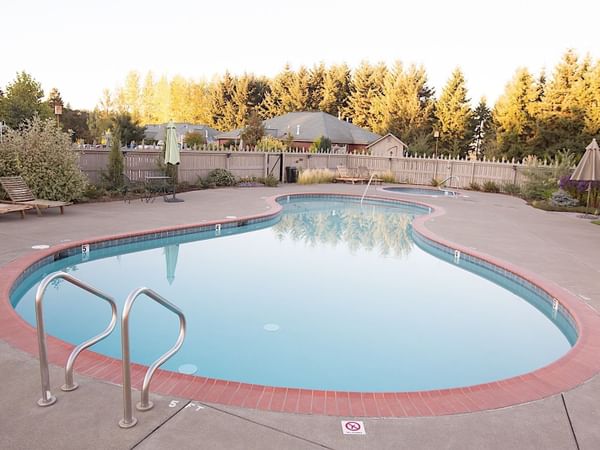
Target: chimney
297,130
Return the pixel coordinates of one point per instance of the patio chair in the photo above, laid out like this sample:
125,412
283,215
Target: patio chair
14,208
344,174
20,194
365,174
131,188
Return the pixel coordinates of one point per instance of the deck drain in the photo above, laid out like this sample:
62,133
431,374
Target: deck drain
271,327
187,369
40,246
231,217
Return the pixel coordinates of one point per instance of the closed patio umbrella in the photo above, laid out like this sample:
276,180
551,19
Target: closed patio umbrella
172,156
171,255
588,168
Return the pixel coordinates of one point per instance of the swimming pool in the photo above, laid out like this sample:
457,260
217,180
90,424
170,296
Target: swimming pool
328,295
421,191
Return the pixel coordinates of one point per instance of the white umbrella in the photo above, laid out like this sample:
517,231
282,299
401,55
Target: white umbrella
588,168
172,155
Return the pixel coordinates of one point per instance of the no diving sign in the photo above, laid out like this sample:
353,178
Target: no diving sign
353,427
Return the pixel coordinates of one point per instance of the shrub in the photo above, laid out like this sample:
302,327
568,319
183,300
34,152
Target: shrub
540,185
269,181
474,186
322,145
194,139
270,144
114,172
42,155
313,176
387,177
562,198
490,186
221,177
435,182
511,188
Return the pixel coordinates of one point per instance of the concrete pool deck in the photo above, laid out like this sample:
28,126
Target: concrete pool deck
558,247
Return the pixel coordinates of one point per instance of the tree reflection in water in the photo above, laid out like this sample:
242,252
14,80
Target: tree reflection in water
371,228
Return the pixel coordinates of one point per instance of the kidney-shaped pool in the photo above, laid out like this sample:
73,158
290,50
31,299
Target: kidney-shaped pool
330,294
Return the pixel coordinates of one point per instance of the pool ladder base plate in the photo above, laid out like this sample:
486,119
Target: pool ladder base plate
141,407
66,388
124,424
51,401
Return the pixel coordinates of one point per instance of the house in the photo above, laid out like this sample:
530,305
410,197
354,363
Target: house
157,132
303,128
388,145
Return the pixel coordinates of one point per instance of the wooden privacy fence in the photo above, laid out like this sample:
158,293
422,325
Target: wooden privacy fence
244,164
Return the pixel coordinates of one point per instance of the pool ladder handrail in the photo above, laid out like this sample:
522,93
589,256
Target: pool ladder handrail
367,188
445,191
47,397
145,404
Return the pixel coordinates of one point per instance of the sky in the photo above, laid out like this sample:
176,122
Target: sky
83,47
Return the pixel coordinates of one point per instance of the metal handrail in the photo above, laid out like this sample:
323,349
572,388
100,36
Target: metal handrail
444,181
47,397
145,404
367,188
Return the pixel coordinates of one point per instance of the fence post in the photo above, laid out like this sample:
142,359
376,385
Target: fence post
265,165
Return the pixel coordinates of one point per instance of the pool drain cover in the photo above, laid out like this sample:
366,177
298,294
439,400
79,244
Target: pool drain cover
187,369
271,327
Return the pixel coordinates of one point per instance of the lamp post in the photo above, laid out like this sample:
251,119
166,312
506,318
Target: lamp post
57,113
436,135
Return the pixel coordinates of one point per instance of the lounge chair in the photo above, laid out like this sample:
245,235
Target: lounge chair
14,208
344,174
365,174
20,194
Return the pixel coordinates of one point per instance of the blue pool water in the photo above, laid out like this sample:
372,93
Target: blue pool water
328,295
422,191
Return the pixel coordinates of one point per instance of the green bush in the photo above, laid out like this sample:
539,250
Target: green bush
540,185
270,144
315,176
511,188
474,186
221,177
42,154
269,181
116,165
194,139
435,182
321,145
490,186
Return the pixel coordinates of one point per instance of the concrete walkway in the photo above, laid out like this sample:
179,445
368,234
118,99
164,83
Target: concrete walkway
559,247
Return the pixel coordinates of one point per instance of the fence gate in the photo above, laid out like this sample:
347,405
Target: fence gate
275,165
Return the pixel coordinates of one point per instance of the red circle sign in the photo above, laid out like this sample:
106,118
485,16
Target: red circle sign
352,426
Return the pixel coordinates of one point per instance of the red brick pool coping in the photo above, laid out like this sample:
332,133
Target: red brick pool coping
579,365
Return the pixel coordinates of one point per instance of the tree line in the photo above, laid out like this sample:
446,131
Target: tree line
535,115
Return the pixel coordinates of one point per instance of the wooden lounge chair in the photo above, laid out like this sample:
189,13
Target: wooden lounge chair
14,208
344,174
20,194
365,174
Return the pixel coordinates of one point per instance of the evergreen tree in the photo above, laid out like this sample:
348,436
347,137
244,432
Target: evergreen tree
148,108
299,91
116,165
278,99
336,90
162,100
222,111
405,108
513,118
200,103
316,81
481,128
23,101
561,115
592,112
453,115
181,107
367,84
254,131
54,99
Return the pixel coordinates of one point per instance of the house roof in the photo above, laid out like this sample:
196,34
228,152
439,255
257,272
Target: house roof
156,132
383,137
308,126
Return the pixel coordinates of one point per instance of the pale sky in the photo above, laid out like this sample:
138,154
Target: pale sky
82,47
